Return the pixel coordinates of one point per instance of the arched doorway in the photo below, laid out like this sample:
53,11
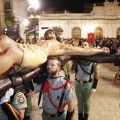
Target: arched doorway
76,33
118,33
98,33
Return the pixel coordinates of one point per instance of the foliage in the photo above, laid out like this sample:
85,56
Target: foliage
9,19
58,30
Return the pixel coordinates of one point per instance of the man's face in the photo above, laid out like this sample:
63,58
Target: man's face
85,45
52,68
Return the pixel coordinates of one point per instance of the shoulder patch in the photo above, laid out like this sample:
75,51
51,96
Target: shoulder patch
21,100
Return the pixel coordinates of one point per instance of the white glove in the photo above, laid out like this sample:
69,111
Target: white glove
7,96
93,90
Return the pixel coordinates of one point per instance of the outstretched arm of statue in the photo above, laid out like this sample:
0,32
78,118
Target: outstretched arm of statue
56,48
82,51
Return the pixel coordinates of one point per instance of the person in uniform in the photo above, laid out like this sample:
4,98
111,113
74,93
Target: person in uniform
19,104
67,68
83,84
57,92
25,90
32,56
28,110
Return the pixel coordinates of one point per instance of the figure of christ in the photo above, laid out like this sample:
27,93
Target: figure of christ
32,56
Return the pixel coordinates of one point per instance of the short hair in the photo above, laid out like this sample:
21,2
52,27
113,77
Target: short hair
57,59
85,40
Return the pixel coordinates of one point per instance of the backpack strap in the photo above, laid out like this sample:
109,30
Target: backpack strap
40,94
13,80
62,96
43,78
83,69
91,72
25,84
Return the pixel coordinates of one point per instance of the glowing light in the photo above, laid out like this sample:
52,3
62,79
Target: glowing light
34,3
26,22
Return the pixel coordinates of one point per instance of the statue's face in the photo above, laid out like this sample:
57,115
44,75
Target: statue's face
85,45
51,36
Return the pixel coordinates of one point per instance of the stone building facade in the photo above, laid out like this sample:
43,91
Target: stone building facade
102,21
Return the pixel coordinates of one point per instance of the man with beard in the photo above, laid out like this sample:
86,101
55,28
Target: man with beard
83,83
57,92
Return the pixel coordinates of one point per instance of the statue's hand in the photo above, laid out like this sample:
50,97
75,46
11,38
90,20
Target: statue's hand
106,50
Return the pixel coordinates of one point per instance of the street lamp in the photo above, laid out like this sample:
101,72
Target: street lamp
26,22
34,18
34,5
18,28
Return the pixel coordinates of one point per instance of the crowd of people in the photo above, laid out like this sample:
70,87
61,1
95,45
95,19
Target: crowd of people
58,90
111,43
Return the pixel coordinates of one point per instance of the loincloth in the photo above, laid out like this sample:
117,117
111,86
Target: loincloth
33,56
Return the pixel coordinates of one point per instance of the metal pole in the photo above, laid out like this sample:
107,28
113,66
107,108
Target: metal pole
26,36
35,30
34,26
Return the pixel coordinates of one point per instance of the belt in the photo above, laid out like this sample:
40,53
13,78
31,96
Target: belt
53,115
83,82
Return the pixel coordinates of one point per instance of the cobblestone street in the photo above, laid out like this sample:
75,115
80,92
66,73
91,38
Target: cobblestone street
105,103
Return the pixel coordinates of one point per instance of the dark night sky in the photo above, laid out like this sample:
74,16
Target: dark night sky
72,5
